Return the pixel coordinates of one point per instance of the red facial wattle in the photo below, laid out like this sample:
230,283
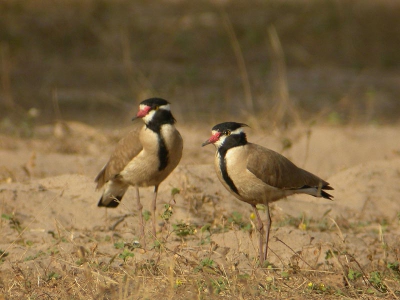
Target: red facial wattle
142,113
214,137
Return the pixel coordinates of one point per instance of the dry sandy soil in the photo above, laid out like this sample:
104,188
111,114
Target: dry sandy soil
56,243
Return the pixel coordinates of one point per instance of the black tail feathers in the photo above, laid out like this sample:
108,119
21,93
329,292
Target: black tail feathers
110,203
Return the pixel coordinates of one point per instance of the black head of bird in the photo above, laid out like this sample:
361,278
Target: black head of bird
227,134
155,112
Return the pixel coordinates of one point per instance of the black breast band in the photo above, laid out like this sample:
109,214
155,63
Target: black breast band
224,172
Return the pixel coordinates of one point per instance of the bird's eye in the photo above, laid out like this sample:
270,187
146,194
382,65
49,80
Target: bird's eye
156,108
227,132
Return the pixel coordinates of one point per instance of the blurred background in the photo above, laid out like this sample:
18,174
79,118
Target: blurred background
276,61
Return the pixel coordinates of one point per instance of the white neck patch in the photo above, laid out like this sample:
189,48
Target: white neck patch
147,118
223,137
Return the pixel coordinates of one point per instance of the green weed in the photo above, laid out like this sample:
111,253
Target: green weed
146,215
33,257
376,279
237,219
183,229
13,221
126,254
167,213
353,274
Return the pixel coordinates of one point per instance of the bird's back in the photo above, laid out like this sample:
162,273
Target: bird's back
276,170
255,174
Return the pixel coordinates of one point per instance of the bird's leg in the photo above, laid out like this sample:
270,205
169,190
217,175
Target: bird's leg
139,208
153,207
259,227
267,231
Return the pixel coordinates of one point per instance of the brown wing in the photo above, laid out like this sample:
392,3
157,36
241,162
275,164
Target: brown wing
126,149
277,171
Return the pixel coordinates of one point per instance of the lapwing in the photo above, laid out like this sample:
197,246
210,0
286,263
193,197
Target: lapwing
143,158
258,175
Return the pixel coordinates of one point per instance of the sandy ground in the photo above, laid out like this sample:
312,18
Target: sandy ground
47,190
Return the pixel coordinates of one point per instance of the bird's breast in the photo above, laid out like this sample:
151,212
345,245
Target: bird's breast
174,145
149,140
230,166
172,138
161,153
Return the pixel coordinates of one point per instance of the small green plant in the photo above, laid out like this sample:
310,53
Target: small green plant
175,191
394,266
291,221
339,292
126,254
184,229
306,223
168,212
14,223
130,246
157,244
237,219
33,257
246,276
204,263
146,215
266,264
323,225
285,274
353,274
207,230
219,285
329,254
53,276
57,237
53,251
119,245
318,288
377,281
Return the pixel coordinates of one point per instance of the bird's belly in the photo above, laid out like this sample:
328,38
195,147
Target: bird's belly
142,171
254,191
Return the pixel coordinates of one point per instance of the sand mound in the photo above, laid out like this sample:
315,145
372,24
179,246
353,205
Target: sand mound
368,191
65,199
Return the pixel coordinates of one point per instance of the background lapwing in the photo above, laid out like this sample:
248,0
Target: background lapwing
257,175
142,158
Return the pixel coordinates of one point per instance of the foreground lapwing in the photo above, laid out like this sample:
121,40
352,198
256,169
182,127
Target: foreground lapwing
257,175
142,158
